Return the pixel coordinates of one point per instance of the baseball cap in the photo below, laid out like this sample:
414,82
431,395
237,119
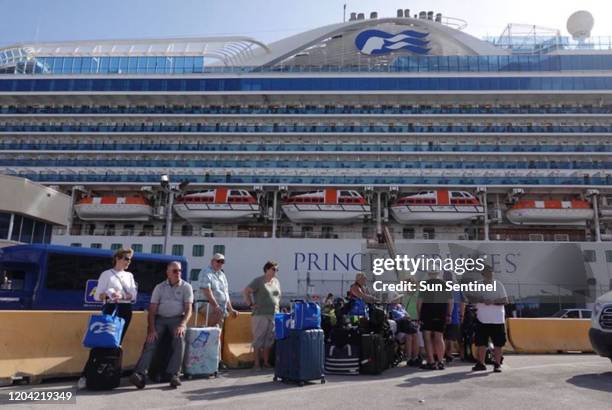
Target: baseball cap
218,256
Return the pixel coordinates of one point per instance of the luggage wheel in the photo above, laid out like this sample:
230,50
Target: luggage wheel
323,380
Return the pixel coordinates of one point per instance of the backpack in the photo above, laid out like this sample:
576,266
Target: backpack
103,368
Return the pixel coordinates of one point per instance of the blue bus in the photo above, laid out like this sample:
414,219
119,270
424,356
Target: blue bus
52,277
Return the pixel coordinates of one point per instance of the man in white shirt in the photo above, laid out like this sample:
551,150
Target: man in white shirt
491,324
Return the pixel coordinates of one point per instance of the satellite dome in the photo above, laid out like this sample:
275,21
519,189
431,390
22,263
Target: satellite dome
580,24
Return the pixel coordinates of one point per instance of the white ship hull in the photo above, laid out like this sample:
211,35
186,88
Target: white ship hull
114,212
407,214
526,216
305,213
216,212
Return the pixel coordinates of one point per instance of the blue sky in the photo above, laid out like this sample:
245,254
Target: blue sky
269,20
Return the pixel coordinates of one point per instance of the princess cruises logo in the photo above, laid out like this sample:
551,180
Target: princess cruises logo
376,42
99,327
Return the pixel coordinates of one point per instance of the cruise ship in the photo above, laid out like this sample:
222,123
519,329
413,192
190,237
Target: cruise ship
404,133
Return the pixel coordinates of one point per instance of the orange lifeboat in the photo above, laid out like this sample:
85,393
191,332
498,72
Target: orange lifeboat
114,208
438,206
217,204
550,212
327,205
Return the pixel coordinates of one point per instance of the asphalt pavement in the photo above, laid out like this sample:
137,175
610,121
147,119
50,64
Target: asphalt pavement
564,381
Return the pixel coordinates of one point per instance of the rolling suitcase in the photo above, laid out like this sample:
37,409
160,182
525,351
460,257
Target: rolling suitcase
103,369
202,352
300,356
342,360
373,354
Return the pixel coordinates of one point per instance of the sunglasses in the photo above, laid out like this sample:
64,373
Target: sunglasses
127,259
221,261
176,270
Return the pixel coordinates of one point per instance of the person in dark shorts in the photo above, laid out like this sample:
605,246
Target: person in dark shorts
452,333
434,307
491,319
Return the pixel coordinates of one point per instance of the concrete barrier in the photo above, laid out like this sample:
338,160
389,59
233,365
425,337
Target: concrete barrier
237,351
549,335
42,344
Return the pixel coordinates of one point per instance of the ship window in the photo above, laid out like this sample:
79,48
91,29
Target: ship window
137,247
198,250
456,194
408,233
193,275
116,246
96,246
609,256
219,249
327,232
187,230
76,245
177,250
429,233
589,255
157,248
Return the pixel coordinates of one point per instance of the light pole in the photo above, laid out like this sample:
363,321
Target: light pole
169,191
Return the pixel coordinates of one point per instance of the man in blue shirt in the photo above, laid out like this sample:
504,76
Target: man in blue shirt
213,291
452,331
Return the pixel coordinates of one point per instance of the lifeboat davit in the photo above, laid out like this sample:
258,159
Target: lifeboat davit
439,206
217,204
328,205
114,208
550,212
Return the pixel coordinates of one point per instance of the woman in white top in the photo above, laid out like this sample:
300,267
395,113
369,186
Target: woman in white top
117,289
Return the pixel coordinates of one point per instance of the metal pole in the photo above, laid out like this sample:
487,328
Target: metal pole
274,215
486,216
378,216
596,210
169,203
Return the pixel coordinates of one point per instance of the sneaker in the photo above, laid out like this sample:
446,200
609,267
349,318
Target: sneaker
82,383
497,368
440,366
175,381
429,366
479,367
137,380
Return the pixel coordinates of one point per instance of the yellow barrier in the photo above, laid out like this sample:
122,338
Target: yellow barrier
237,338
44,344
549,335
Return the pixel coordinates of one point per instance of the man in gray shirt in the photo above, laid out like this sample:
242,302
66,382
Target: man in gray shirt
169,311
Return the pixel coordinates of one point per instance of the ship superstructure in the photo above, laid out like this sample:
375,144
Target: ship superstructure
328,138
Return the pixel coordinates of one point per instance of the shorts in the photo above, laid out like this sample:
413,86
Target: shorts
262,327
433,325
495,331
452,332
407,326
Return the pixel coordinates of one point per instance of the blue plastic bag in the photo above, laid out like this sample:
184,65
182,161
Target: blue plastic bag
281,325
305,315
358,308
104,331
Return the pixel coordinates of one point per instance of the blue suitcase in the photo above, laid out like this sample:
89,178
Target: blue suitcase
300,356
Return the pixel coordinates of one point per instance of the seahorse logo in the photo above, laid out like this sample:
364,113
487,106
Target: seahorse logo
376,42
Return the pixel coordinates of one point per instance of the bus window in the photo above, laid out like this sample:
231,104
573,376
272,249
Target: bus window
71,272
12,280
